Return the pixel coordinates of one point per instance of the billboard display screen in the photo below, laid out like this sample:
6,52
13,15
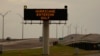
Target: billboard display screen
45,14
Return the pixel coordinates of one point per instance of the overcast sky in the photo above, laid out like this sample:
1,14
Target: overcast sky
81,13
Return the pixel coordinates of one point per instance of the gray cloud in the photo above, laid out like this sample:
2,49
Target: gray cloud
81,12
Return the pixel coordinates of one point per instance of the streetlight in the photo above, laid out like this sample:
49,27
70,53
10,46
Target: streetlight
22,25
3,16
82,29
86,31
76,27
69,29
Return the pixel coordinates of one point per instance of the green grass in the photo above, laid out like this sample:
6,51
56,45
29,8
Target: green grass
58,50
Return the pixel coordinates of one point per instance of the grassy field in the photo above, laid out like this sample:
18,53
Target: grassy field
54,51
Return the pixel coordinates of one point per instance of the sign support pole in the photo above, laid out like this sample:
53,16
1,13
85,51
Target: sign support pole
45,37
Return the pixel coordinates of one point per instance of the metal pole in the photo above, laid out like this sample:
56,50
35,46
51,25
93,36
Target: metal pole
70,29
76,30
3,28
56,31
45,38
86,31
81,30
22,26
22,30
62,31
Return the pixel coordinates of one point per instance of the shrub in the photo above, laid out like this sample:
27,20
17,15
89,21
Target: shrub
8,38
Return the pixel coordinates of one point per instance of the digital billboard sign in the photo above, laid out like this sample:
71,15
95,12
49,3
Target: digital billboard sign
45,14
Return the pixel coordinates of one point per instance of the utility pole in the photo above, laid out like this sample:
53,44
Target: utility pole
3,16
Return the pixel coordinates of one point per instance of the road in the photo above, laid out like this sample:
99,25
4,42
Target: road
23,44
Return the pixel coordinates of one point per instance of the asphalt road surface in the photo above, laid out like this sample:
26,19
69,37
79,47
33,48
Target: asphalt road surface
23,44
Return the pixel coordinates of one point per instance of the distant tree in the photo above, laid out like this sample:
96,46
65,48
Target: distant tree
8,38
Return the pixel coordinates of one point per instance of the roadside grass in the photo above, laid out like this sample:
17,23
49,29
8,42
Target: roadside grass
57,50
